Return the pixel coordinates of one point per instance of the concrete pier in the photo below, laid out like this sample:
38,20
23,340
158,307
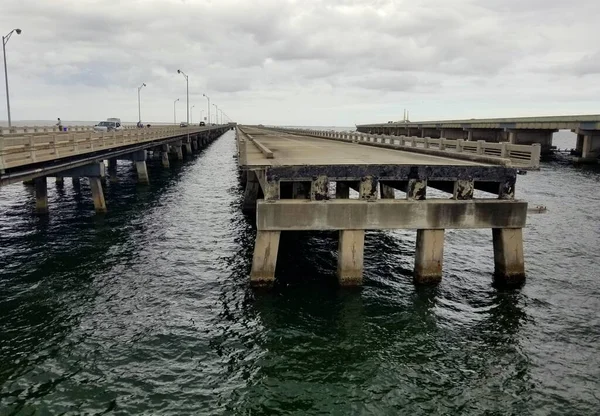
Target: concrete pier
142,172
588,146
41,195
509,261
429,256
350,257
97,195
264,260
294,174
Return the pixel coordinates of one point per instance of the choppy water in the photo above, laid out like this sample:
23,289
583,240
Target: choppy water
148,309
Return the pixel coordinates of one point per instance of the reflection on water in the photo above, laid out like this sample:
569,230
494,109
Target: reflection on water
147,310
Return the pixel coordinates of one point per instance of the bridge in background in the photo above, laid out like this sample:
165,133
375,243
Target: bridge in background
518,130
295,181
32,156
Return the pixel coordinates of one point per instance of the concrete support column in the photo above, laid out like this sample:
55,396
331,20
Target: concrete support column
194,145
142,172
41,195
264,259
429,256
98,195
164,157
350,257
509,263
188,148
251,192
76,182
60,182
179,152
319,189
112,168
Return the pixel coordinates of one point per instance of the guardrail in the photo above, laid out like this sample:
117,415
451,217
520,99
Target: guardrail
27,148
523,156
5,131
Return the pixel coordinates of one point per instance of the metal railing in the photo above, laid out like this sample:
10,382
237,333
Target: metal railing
523,156
19,149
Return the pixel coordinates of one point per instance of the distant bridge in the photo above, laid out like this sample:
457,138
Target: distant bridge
32,154
517,130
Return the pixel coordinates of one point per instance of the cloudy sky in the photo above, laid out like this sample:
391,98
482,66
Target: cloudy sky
302,62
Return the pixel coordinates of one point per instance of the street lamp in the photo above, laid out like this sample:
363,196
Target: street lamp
174,112
139,102
4,42
187,104
216,114
208,98
192,114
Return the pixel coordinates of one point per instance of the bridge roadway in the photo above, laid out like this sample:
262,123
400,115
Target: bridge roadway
294,183
516,130
33,156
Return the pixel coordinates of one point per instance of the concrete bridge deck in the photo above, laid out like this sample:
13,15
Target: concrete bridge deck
33,156
515,130
294,182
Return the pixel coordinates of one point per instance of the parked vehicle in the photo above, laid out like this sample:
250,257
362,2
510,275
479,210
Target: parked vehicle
111,124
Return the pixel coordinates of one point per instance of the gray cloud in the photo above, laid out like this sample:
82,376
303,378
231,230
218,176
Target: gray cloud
250,54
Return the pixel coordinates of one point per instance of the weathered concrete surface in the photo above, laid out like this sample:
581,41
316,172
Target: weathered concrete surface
264,260
350,257
142,172
588,146
344,214
251,192
41,195
290,150
508,256
523,136
429,256
98,195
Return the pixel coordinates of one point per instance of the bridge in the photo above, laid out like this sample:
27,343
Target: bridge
33,154
298,181
518,130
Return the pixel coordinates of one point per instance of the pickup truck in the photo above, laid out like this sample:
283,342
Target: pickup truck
111,124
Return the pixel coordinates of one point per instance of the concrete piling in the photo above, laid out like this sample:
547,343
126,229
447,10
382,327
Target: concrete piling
97,194
264,259
429,256
251,192
350,257
142,172
41,195
509,263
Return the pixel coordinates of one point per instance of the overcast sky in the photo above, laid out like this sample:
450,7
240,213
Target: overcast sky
303,62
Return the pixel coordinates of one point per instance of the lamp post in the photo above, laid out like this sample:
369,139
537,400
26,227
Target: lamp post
208,98
216,114
187,104
174,112
4,42
192,114
139,102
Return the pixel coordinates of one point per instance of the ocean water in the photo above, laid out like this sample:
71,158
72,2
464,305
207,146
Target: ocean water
148,309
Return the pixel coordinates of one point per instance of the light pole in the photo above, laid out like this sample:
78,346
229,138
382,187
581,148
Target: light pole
174,112
208,98
192,114
4,42
216,114
139,102
187,104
